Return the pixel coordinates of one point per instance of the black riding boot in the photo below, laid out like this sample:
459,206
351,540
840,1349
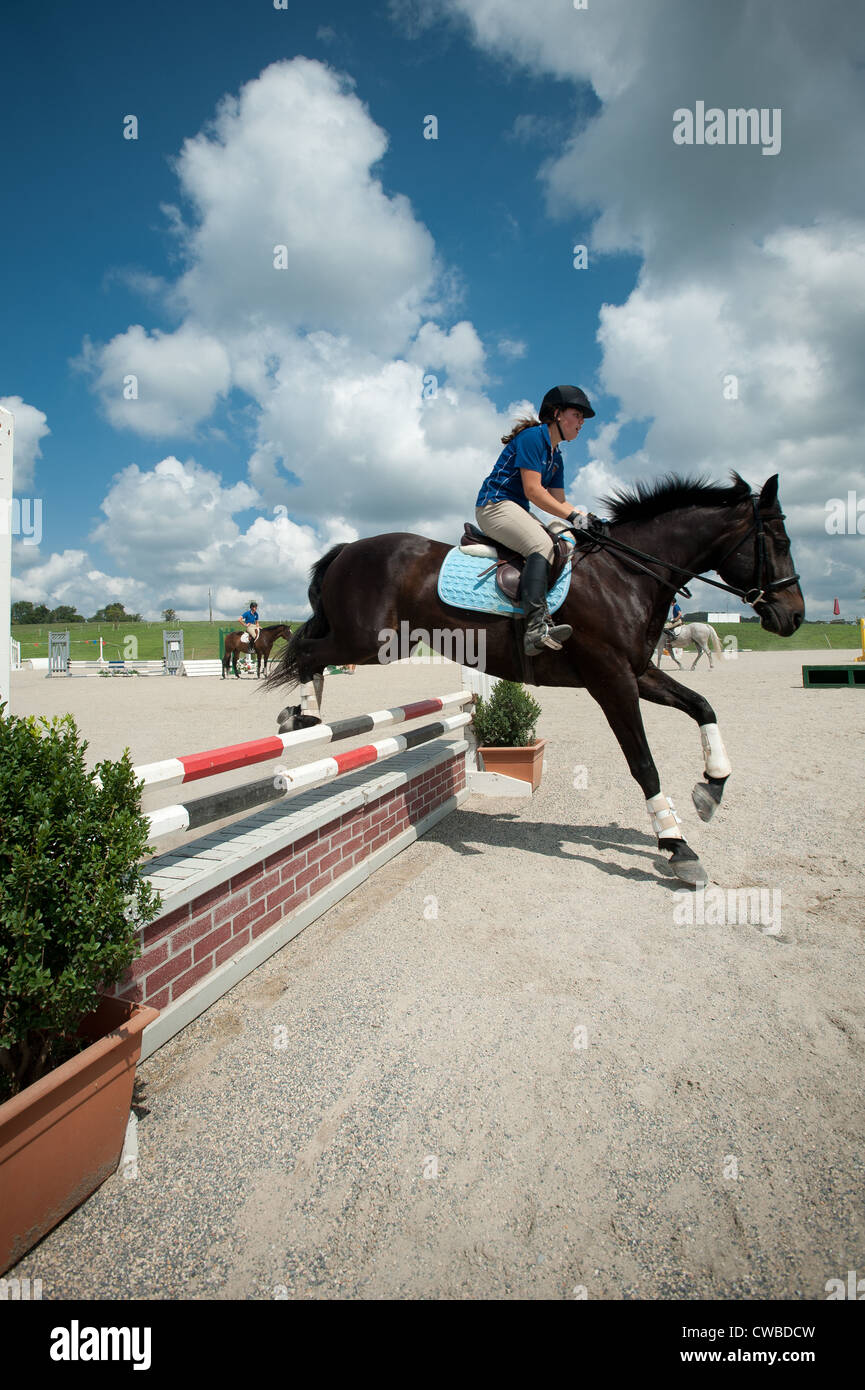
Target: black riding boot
540,631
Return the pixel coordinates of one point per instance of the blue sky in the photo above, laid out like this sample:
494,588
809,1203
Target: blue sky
278,412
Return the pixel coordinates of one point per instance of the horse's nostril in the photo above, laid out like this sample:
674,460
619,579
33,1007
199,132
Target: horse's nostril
797,620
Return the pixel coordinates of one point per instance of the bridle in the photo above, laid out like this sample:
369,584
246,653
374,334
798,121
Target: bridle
599,535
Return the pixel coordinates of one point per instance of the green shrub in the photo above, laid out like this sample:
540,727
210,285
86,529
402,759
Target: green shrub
72,896
508,719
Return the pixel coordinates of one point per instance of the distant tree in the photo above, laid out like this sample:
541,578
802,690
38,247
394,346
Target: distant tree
66,613
116,614
24,612
169,615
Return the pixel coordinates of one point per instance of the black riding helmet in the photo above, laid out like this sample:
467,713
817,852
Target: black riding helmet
560,397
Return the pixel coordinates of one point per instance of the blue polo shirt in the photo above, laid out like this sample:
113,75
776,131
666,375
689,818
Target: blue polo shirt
250,617
532,449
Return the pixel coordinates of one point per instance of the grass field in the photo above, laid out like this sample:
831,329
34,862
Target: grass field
141,641
133,641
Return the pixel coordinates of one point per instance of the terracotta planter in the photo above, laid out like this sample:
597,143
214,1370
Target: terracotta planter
63,1136
527,764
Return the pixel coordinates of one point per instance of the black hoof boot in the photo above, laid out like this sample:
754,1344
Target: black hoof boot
706,796
684,862
290,719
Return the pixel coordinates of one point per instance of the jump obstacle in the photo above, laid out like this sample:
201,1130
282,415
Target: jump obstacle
835,676
173,662
237,894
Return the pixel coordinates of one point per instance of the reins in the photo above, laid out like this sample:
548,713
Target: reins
598,535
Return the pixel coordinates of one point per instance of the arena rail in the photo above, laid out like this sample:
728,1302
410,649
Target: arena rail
234,896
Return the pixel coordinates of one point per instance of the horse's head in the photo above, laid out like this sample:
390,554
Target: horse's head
760,562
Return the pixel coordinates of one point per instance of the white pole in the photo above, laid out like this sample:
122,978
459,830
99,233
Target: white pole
7,440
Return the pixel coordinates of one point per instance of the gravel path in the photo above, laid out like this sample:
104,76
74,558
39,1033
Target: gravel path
507,1066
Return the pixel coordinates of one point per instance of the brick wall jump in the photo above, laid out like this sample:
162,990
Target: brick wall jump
183,946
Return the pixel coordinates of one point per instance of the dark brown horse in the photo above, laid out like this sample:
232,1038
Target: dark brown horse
617,604
236,644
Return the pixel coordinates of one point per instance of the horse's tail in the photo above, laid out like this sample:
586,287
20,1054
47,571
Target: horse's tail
713,638
287,670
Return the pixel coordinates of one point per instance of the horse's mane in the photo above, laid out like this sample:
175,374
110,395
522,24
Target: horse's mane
646,500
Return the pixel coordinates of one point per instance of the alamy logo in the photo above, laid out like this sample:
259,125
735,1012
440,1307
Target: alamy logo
836,1288
77,1343
467,647
845,518
733,907
735,126
19,1290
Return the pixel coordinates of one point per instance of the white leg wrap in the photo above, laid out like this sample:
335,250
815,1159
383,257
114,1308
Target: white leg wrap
714,753
665,822
309,700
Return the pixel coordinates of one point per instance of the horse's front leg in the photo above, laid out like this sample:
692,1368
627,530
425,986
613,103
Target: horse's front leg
616,691
661,689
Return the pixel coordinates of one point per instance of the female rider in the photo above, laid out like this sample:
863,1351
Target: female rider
529,470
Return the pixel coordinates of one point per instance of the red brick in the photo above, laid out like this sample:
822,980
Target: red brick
245,877
280,895
159,1001
306,877
231,905
163,926
343,836
292,904
198,972
231,948
209,943
134,993
207,899
264,885
197,928
292,868
315,852
269,919
249,914
169,971
142,967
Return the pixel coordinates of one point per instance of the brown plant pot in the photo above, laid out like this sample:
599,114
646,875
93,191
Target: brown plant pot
63,1136
527,764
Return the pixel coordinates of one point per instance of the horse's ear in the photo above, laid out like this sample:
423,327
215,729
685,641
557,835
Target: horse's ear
739,481
769,493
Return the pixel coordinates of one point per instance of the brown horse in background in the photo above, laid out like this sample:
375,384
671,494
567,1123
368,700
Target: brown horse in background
622,583
238,643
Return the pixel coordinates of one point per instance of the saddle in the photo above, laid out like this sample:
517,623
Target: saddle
508,564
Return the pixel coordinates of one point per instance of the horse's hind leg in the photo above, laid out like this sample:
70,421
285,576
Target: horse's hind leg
308,712
659,688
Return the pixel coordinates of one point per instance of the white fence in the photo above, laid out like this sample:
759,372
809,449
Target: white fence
478,682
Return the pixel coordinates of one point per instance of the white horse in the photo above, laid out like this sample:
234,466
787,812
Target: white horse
701,634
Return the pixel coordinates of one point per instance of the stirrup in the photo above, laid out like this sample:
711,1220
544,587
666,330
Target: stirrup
545,634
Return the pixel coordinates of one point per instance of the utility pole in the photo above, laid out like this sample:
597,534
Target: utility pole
210,606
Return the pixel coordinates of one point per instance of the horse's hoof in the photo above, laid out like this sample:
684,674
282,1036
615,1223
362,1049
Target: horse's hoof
686,866
706,796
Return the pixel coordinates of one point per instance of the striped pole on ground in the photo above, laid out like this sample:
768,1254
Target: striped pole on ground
192,815
192,766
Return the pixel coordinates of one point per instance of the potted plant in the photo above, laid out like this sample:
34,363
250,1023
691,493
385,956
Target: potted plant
505,727
72,899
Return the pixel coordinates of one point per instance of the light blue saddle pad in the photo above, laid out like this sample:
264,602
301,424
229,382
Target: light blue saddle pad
460,584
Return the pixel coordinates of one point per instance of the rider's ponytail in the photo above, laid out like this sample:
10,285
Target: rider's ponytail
526,423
